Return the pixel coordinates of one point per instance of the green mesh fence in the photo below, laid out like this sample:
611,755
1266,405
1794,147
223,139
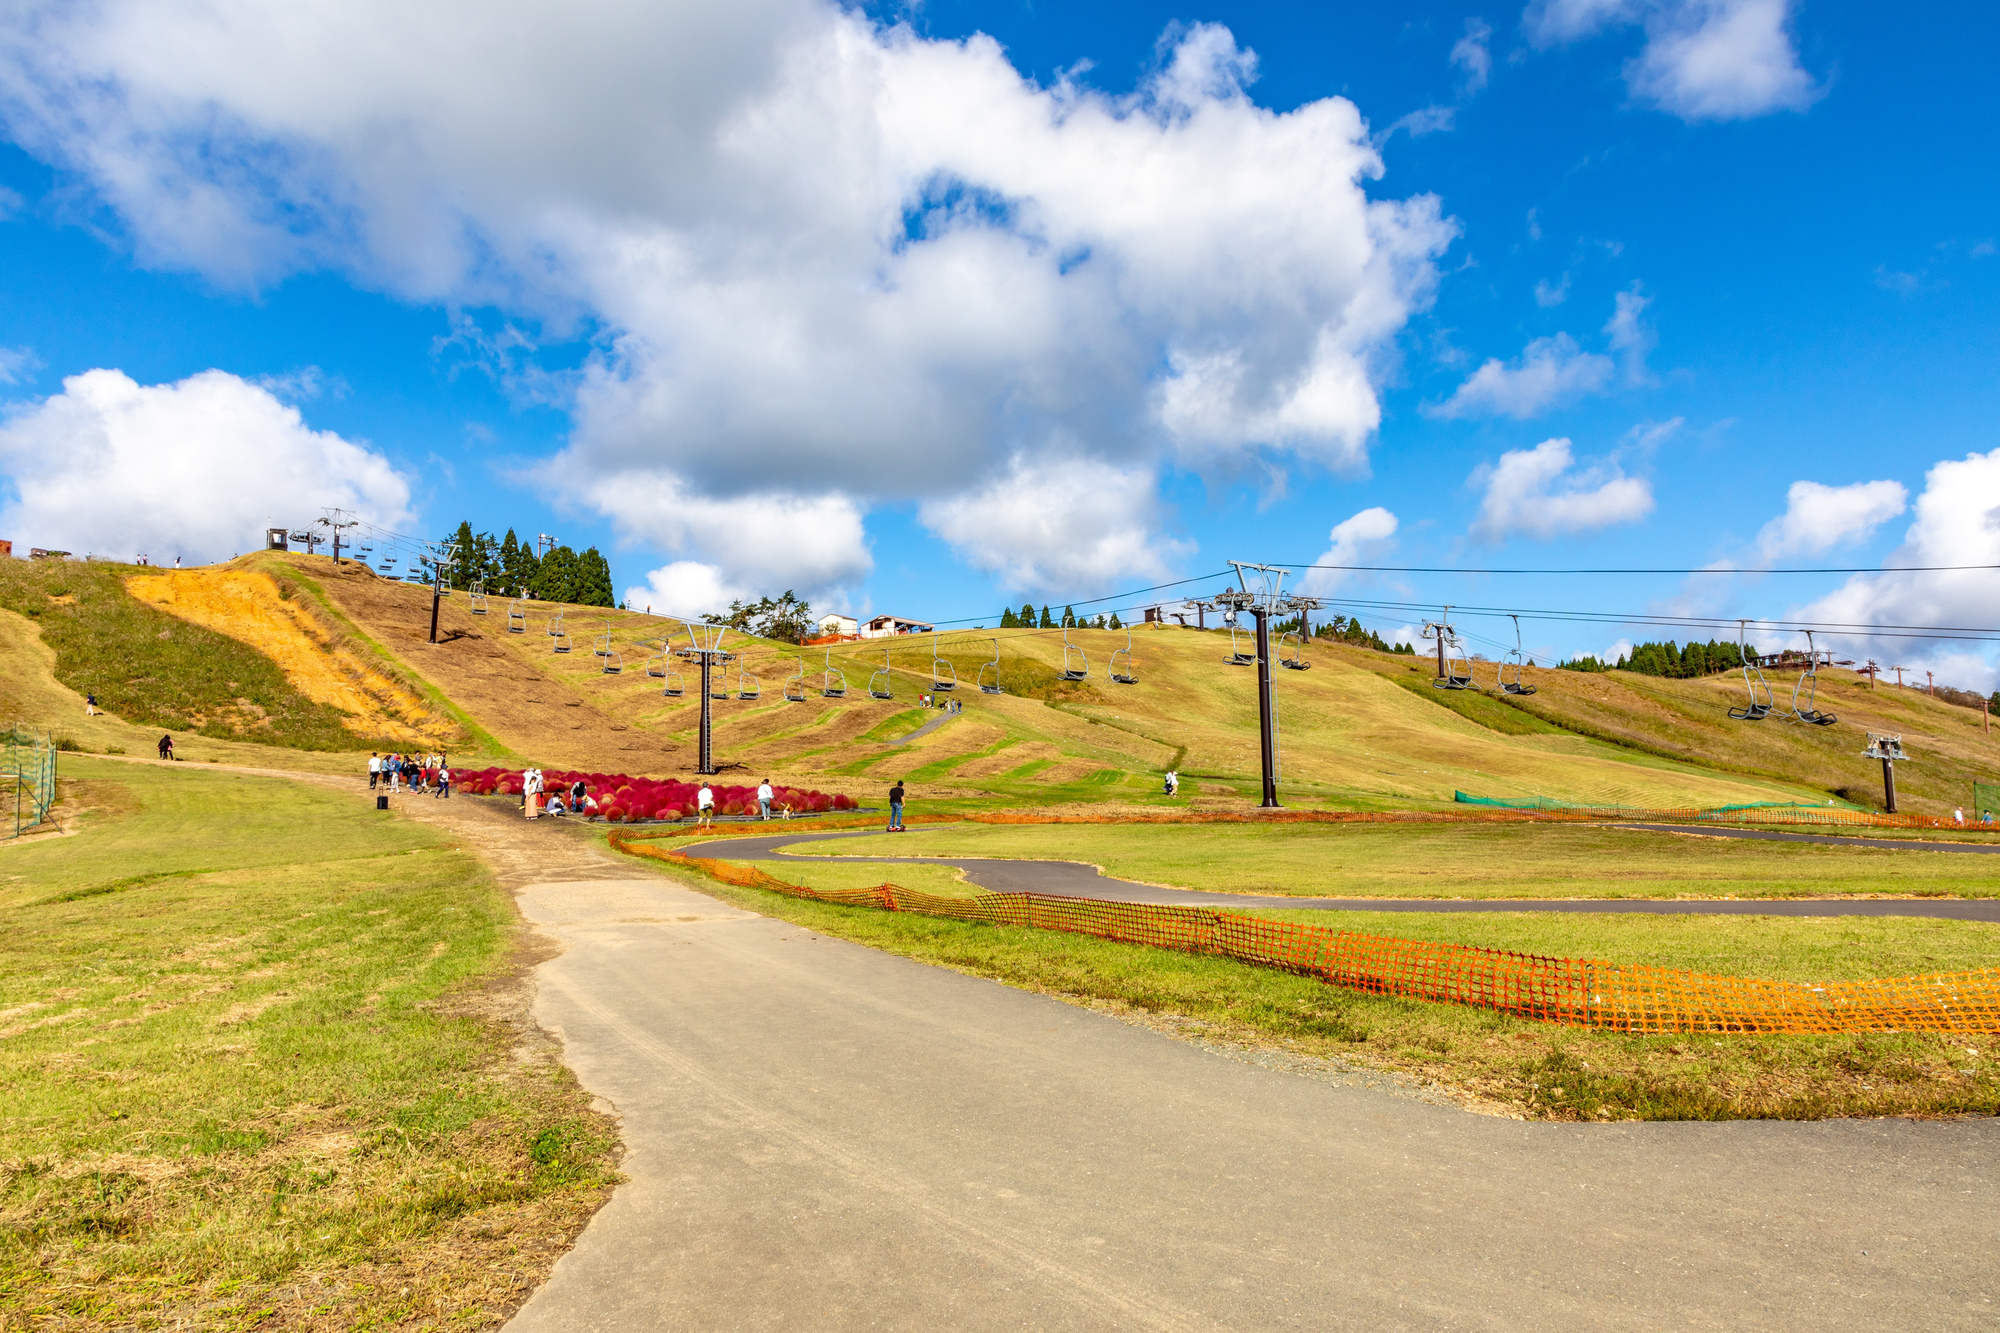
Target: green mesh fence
27,779
1985,801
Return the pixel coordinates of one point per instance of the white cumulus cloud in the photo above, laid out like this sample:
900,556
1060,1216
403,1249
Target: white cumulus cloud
1957,522
1703,59
827,257
1354,541
1551,371
1818,517
1471,56
1058,524
1534,492
196,469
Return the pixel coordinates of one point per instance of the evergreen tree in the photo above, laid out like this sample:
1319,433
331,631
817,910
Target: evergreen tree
1069,617
592,585
518,564
1027,616
554,579
1100,620
1008,620
1114,621
464,566
1048,621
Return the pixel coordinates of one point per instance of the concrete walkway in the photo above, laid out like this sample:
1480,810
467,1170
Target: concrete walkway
1076,880
823,1137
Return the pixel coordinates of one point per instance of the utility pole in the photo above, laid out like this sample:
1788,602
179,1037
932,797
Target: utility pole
705,647
1930,684
544,544
1888,749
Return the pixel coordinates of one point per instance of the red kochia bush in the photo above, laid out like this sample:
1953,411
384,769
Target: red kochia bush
623,798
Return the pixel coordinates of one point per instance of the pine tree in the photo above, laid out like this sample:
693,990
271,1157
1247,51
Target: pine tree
1069,617
1027,616
592,586
1100,620
1114,621
1008,620
554,579
464,557
1048,621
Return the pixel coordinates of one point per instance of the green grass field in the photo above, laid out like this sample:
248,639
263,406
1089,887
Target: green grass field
1449,860
1512,1065
246,1037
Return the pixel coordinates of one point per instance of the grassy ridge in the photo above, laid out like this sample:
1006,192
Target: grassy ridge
157,671
238,1046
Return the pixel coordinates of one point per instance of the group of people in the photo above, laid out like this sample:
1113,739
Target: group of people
419,773
537,799
950,705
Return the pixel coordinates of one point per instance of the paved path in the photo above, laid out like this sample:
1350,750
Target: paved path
823,1137
1825,839
1077,880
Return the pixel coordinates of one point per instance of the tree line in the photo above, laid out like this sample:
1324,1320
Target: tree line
1668,659
511,567
1028,618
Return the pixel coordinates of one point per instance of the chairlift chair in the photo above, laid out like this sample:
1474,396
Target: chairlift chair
517,619
1292,651
881,691
747,685
993,686
614,661
656,665
1457,666
475,597
558,634
827,689
1809,682
672,685
1237,657
795,686
1753,679
1124,677
1516,661
1070,672
718,684
944,676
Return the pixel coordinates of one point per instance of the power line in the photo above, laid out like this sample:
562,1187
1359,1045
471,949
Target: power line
1454,569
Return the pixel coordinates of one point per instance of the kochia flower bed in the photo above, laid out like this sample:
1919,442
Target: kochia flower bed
624,799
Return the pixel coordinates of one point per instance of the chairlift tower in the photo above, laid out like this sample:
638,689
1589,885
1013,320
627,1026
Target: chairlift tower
1261,593
705,647
441,555
337,521
1888,749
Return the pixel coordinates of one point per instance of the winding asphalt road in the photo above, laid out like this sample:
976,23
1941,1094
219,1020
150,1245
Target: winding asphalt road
1076,880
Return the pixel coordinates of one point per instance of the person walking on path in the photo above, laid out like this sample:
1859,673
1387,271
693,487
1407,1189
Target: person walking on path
1173,783
374,769
166,747
1958,817
531,793
704,801
444,783
90,705
764,797
896,807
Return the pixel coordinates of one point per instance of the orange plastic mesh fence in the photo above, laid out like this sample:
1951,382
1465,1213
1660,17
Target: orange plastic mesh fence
1581,992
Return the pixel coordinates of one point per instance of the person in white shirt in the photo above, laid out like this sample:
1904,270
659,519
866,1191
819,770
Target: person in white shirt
704,801
374,769
764,797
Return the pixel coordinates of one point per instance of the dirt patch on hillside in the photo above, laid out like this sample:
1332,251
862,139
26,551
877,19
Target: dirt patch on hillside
250,607
530,713
1011,758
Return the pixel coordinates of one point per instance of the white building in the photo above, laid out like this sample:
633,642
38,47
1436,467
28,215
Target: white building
881,627
836,624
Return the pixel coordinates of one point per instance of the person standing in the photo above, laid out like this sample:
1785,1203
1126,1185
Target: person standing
90,705
166,747
896,807
764,798
374,769
444,783
1173,783
704,802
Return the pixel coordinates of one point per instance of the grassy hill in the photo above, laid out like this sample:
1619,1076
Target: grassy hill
291,650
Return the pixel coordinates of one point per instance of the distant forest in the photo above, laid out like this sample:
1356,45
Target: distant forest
1668,659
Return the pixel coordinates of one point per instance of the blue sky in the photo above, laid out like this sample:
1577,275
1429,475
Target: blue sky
944,308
